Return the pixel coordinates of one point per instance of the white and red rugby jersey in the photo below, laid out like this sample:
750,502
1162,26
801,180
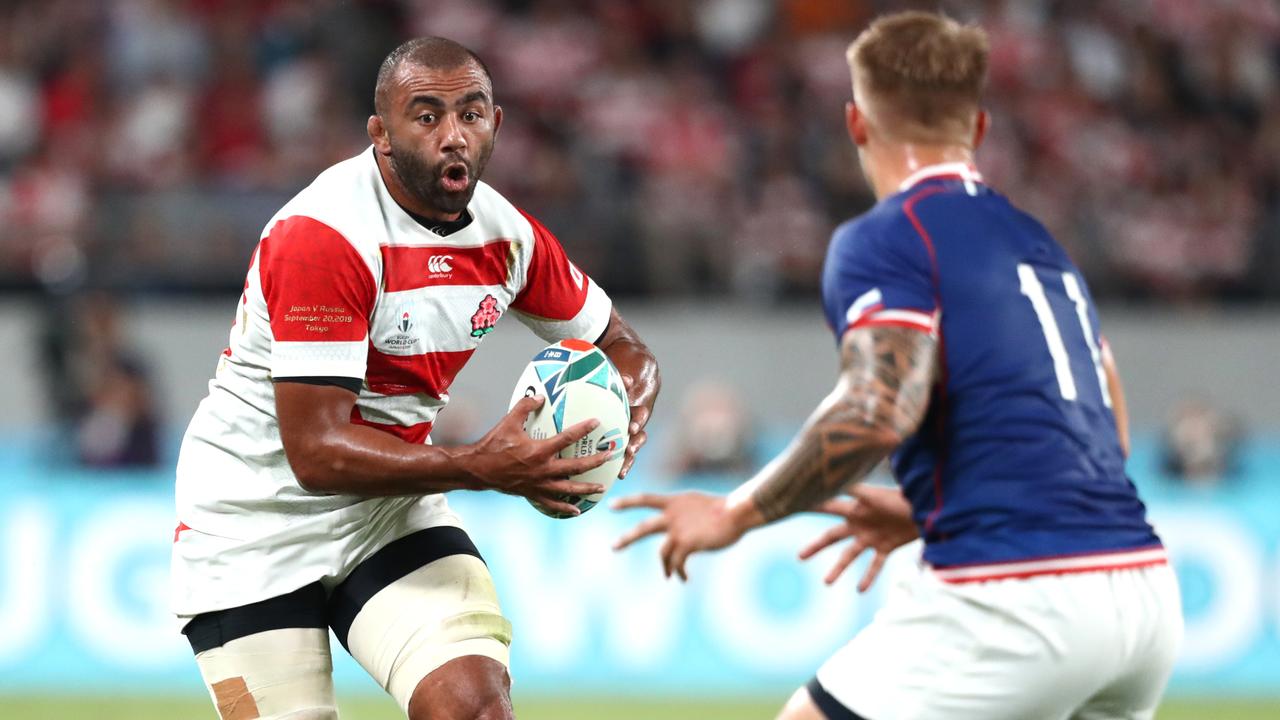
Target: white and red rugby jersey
345,283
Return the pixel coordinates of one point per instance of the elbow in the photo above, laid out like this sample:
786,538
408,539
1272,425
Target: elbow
315,469
888,426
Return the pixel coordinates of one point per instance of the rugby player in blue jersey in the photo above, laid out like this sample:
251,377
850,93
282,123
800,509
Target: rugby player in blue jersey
970,353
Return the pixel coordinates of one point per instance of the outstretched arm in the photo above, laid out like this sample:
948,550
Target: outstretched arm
880,399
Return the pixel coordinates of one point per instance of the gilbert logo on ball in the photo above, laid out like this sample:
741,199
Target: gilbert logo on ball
579,383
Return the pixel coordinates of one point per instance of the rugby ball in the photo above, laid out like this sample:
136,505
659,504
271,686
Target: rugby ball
579,383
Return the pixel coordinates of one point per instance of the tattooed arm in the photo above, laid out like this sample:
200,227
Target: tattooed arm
879,400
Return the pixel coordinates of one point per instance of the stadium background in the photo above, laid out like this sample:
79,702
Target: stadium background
691,157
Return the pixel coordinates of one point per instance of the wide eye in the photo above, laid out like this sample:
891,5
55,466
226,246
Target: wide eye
427,118
470,116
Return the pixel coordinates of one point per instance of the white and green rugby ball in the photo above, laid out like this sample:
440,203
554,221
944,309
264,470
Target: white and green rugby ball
579,383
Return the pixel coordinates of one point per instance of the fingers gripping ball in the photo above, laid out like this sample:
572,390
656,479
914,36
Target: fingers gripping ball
579,384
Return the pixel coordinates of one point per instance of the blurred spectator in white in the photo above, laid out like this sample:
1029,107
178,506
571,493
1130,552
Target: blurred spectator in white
1200,446
659,136
46,217
153,39
714,433
19,104
780,240
148,146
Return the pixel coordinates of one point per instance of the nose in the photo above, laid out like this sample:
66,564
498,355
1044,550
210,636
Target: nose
452,139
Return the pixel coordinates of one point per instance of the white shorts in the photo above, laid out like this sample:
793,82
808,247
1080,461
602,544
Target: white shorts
1088,645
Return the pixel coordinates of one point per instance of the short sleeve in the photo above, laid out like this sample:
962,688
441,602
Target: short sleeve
879,275
558,301
319,295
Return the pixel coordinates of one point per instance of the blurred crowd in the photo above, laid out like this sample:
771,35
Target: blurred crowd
677,147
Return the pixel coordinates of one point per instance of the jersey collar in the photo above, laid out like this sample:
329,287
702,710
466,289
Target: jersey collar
950,170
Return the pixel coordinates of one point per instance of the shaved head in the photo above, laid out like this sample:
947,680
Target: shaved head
435,53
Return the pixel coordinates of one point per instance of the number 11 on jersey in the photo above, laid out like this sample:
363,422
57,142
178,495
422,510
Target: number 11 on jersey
1034,290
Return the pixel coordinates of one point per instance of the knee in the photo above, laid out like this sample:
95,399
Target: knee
494,708
489,707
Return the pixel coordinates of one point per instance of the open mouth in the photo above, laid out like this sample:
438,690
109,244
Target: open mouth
454,178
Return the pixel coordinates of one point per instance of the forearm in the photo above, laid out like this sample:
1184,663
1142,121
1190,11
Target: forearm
837,446
361,460
881,399
632,357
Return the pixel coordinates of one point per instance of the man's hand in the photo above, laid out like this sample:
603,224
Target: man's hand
641,393
639,370
508,460
692,521
877,518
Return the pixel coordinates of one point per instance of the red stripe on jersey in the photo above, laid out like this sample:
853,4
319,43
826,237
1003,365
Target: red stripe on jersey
879,322
316,285
410,268
940,424
415,434
1101,567
1049,558
553,288
431,373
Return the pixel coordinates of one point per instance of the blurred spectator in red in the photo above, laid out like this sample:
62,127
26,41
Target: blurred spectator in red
686,148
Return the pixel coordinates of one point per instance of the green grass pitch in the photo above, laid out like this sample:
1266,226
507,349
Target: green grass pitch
102,708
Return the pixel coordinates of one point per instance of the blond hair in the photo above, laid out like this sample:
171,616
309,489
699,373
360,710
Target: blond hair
922,75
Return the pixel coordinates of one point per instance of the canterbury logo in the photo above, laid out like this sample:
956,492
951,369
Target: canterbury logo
439,263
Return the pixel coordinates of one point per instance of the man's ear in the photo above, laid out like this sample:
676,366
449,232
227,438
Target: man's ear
497,119
378,134
856,123
980,128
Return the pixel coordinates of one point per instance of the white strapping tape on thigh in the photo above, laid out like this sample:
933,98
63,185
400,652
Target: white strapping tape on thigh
444,610
274,675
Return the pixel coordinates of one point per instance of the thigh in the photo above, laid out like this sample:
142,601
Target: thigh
269,659
416,605
1149,608
962,653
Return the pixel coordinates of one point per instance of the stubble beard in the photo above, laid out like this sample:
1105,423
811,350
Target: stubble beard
422,180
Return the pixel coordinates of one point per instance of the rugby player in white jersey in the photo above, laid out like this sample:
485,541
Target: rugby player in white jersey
308,496
970,352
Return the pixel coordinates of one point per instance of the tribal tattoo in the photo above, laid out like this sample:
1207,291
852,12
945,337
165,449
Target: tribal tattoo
881,397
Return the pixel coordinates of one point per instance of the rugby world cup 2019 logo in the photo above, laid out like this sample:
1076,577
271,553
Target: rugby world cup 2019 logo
611,443
403,336
486,317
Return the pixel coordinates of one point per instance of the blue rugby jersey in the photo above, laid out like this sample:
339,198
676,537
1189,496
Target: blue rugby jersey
1017,468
